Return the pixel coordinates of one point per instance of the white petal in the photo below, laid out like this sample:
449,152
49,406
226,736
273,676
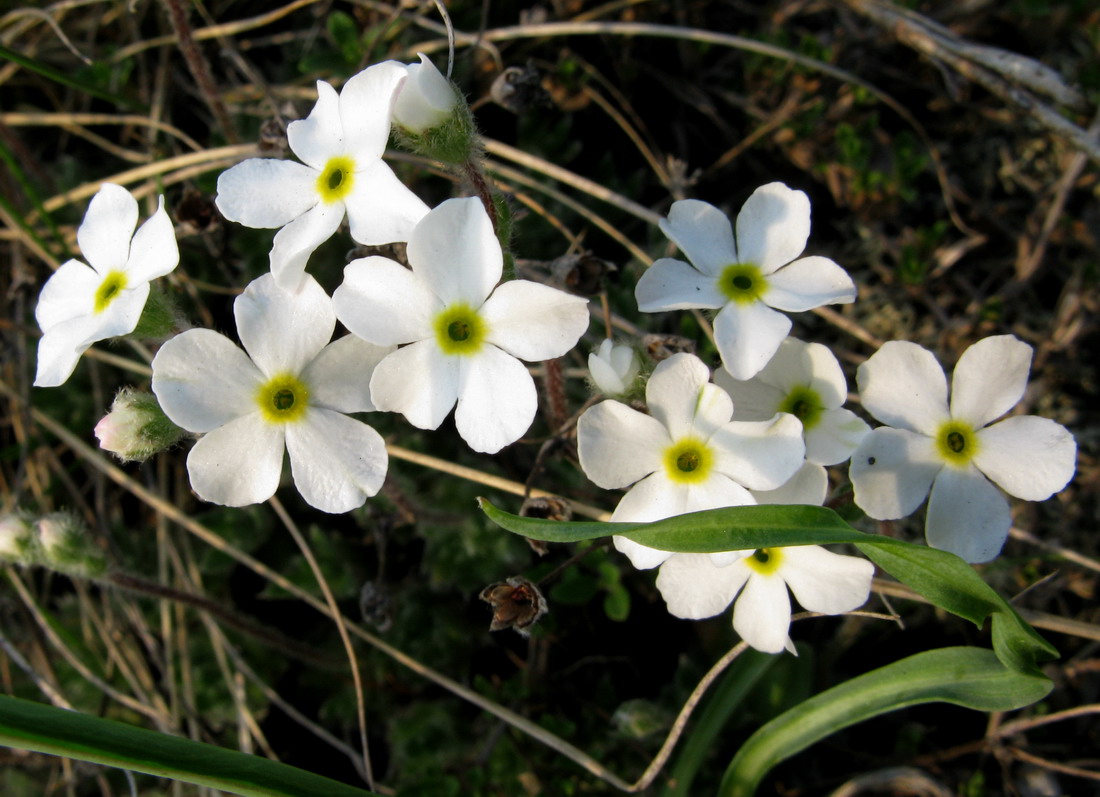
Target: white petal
534,322
1028,457
891,472
809,485
68,293
967,515
826,582
673,392
674,285
989,379
747,336
694,588
641,556
366,103
617,445
263,192
455,251
104,235
425,100
320,135
295,242
773,226
760,455
834,437
419,381
381,209
238,464
808,283
716,492
753,399
63,343
604,374
713,410
703,234
496,399
903,385
283,331
153,252
339,377
337,462
384,302
653,498
762,614
203,381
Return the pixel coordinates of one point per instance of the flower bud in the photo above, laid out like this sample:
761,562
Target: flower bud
136,427
66,546
613,367
425,100
17,539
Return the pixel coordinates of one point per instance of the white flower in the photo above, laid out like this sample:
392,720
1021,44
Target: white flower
745,279
687,455
695,587
425,100
953,450
613,367
464,342
292,393
81,305
341,145
805,380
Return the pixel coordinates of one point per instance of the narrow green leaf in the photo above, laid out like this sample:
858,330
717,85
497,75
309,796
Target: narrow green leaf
941,577
26,725
969,677
66,79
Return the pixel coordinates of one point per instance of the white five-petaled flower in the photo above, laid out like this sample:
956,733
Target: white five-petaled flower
747,280
465,339
613,367
955,450
425,100
687,455
291,390
341,145
81,305
805,380
695,587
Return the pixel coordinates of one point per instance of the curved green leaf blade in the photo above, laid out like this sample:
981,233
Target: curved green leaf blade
970,677
26,725
941,577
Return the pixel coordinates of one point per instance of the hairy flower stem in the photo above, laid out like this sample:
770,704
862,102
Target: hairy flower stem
265,635
200,68
471,170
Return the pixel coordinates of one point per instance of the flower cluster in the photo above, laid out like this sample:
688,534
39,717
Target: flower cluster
443,332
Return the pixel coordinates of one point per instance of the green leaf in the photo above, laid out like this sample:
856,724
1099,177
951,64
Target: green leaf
26,725
942,578
969,677
66,79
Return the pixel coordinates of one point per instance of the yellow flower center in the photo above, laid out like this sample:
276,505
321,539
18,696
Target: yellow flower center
460,330
283,399
803,403
765,561
743,283
336,179
688,461
113,284
957,442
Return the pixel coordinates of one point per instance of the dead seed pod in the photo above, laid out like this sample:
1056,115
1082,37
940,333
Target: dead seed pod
516,603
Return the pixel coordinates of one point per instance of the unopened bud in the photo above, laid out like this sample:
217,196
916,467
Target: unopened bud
136,427
431,117
17,539
66,546
614,367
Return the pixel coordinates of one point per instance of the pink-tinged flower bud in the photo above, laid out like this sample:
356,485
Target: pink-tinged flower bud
136,427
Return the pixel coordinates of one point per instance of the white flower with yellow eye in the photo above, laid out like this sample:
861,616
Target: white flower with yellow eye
80,305
954,450
687,455
290,391
466,334
341,145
